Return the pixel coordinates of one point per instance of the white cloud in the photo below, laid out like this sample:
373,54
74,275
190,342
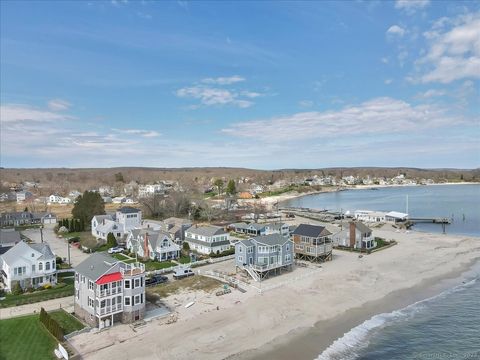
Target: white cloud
384,60
396,30
23,113
140,132
410,6
213,96
453,53
224,80
58,105
388,81
431,93
378,116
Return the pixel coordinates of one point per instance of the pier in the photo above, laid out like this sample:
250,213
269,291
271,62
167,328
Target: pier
431,220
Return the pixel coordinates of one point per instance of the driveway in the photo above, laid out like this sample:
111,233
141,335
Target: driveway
58,245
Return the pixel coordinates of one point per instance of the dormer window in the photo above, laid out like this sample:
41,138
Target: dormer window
33,254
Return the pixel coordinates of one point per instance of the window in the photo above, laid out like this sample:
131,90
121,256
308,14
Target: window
40,266
240,249
288,258
240,258
288,247
127,284
33,268
47,266
137,299
91,302
53,264
90,285
250,250
76,277
137,283
127,301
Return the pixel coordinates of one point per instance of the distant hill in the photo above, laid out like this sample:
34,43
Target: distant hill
83,179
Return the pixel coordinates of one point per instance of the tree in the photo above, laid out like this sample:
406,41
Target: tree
231,190
87,206
111,240
186,247
119,177
218,183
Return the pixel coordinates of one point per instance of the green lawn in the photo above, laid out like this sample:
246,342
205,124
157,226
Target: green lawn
63,289
25,338
68,322
184,260
156,265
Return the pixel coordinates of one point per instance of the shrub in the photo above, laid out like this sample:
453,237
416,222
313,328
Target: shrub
47,286
186,246
16,288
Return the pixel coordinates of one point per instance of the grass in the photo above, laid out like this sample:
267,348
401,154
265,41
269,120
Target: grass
184,260
156,265
123,258
63,289
196,282
68,322
25,338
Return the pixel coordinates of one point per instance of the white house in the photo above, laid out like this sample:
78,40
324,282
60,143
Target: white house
57,199
395,216
151,244
31,265
369,216
207,239
119,224
23,196
150,189
357,236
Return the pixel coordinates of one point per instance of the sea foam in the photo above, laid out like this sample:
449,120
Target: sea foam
349,346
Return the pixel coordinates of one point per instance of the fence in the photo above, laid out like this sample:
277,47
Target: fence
192,264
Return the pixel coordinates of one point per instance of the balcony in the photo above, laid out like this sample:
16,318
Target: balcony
109,309
132,269
108,292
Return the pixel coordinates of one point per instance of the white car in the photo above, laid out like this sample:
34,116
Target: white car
115,250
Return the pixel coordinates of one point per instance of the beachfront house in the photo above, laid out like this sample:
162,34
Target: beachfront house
395,217
152,244
119,224
255,229
369,216
207,239
263,255
312,243
108,291
356,236
28,265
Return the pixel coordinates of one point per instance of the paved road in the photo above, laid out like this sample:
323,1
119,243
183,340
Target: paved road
58,245
65,303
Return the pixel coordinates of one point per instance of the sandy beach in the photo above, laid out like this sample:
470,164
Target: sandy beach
301,306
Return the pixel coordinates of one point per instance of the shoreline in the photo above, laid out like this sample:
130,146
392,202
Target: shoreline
310,312
270,201
307,343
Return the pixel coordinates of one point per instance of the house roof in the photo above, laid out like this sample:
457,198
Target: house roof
362,227
9,237
208,244
246,242
128,210
396,214
44,249
275,226
256,226
96,265
206,230
100,218
311,230
21,250
240,225
272,239
107,278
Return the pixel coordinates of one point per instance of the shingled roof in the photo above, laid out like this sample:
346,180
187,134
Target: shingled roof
311,230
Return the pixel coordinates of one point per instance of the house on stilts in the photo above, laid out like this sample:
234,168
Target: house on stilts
312,243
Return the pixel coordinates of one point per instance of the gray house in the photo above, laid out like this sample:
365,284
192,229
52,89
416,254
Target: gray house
109,291
207,239
263,255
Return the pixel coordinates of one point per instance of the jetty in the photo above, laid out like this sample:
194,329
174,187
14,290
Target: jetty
434,220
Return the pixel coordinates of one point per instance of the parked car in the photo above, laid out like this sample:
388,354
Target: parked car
115,250
183,273
155,280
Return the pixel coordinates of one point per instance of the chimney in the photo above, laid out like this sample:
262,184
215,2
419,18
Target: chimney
146,252
352,234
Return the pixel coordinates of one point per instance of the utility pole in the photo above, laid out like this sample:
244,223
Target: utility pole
68,249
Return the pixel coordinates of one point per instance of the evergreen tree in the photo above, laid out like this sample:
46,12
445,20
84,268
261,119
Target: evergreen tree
111,240
231,189
87,206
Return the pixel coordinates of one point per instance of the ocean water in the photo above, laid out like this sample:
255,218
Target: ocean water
446,326
461,203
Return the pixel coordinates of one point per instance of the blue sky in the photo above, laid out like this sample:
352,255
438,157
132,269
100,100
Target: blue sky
251,84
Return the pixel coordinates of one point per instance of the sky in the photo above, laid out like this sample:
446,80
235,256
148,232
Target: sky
263,85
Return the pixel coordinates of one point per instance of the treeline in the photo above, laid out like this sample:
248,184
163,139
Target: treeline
73,225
